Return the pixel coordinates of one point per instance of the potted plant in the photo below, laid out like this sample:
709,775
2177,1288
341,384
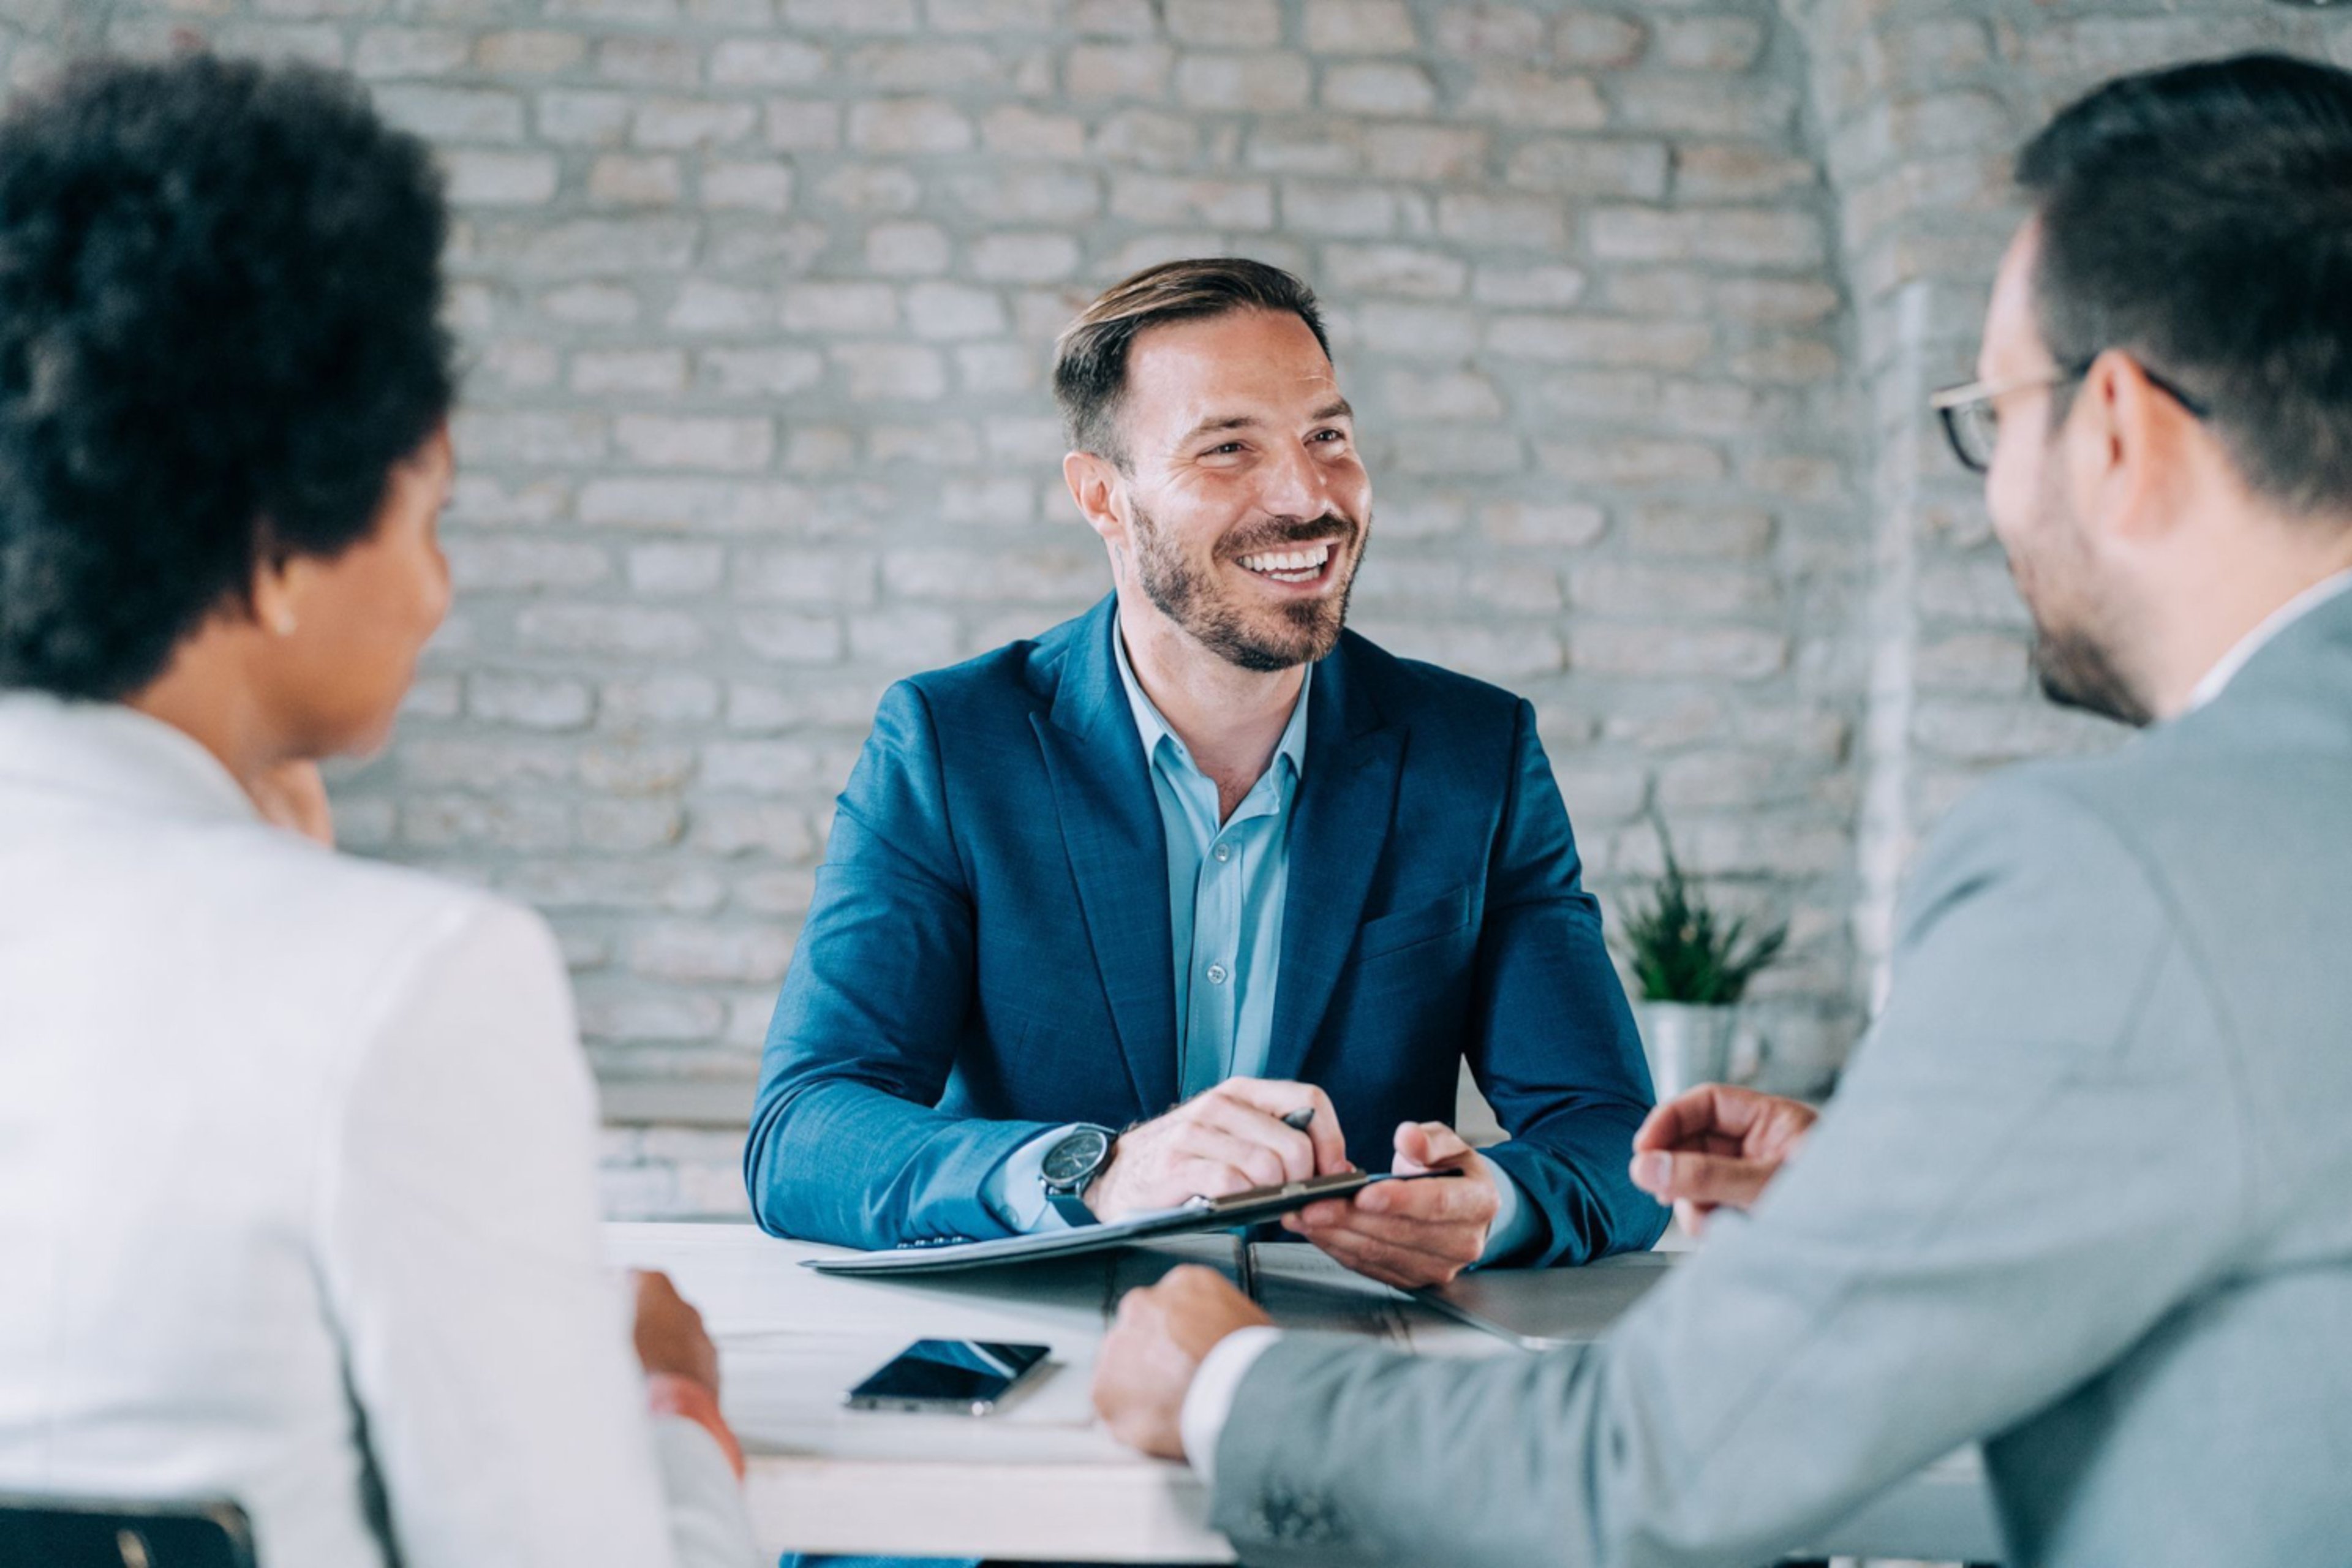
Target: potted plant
1693,967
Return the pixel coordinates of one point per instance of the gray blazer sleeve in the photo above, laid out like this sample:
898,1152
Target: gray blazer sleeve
1975,1228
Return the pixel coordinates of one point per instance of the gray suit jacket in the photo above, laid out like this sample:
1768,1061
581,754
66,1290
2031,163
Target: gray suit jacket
2085,1196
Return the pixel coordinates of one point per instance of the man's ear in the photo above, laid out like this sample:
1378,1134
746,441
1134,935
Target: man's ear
1096,485
2130,452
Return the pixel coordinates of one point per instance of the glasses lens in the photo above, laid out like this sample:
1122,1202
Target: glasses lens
1976,429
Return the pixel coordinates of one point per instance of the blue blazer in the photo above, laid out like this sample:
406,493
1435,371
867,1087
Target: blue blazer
988,954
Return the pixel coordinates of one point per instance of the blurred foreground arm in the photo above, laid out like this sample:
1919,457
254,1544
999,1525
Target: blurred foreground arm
484,1341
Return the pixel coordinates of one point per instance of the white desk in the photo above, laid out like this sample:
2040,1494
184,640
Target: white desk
1040,1481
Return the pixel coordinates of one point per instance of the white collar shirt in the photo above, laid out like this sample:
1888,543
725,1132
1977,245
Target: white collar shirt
2217,679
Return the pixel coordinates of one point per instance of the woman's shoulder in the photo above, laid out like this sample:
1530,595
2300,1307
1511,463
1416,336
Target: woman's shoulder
348,912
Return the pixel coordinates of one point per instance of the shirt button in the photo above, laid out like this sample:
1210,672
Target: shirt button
1217,974
1223,852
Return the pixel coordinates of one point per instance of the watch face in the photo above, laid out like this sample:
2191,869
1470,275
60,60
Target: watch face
1076,1157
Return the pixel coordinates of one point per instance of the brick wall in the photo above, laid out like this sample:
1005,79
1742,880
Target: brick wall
1638,306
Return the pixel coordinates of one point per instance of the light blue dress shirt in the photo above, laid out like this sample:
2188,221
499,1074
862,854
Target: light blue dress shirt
1227,884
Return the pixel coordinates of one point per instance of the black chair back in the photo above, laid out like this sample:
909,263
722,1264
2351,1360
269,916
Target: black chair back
88,1533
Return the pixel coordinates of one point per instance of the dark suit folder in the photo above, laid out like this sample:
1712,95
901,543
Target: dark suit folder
1199,1214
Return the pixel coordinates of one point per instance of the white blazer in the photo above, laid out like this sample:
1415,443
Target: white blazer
297,1188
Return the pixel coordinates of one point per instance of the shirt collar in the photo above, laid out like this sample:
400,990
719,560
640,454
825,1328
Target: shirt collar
1153,727
2217,679
107,750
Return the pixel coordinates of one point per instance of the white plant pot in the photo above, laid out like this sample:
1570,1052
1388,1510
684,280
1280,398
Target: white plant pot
1687,1045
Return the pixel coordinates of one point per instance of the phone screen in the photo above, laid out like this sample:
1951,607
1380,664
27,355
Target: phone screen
968,1375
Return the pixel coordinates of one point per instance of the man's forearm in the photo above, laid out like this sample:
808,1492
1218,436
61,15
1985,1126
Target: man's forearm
850,1164
1580,1195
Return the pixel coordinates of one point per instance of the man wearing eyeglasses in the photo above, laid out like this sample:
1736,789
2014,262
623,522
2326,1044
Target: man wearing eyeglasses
2086,1196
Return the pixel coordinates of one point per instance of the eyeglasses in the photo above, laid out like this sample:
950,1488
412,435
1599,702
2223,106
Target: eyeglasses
1971,414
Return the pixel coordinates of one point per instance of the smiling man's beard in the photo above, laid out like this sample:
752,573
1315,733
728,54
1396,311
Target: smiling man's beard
1297,633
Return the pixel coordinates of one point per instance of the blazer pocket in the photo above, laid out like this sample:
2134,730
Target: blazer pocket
1407,927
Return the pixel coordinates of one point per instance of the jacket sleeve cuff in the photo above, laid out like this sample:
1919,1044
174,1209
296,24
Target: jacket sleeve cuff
1015,1191
1210,1398
1517,1225
668,1394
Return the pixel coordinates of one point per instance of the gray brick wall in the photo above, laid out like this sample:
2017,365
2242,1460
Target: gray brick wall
1638,305
1918,106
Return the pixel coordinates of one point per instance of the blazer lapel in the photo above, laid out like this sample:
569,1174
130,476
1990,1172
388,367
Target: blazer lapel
1338,833
1118,854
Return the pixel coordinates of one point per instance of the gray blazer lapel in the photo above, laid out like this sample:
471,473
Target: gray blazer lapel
1118,855
1338,834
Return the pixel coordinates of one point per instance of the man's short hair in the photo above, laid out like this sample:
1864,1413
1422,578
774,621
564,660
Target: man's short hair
1090,357
220,327
2200,219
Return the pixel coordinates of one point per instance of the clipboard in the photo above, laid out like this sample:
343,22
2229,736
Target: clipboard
1530,1307
1196,1214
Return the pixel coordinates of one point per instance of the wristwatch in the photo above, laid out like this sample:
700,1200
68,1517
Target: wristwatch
1071,1165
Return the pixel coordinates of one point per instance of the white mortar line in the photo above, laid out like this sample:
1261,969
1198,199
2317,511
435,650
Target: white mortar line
1886,828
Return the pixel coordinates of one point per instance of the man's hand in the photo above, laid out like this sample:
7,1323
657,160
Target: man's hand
1410,1234
669,1333
1226,1141
1151,1354
1717,1146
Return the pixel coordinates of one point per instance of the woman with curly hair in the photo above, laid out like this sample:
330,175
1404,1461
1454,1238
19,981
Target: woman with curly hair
295,1150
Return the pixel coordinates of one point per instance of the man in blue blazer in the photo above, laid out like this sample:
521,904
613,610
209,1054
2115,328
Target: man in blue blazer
1199,860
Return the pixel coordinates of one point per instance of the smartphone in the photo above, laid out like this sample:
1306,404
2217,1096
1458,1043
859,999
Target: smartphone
966,1377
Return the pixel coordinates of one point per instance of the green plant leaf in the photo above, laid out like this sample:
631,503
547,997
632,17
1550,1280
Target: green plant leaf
1679,950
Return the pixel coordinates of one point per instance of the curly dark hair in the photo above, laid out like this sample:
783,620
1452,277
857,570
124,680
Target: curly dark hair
220,327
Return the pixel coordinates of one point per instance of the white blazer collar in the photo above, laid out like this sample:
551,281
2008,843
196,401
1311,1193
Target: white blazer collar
106,750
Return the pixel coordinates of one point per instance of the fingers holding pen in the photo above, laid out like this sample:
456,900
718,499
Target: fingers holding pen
1243,1133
